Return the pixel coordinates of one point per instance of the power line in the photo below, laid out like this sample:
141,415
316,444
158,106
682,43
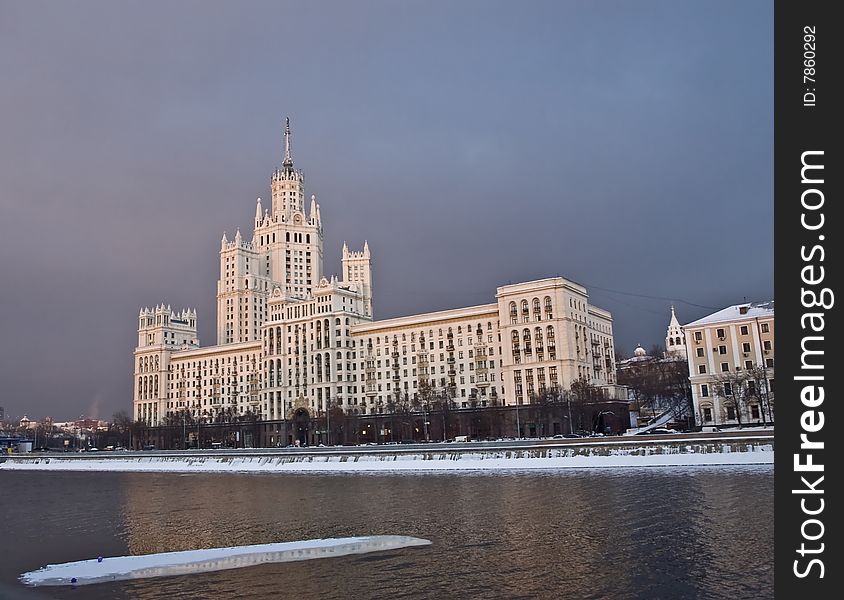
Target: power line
603,289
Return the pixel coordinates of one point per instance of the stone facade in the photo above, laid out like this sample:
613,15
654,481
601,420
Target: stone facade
291,339
731,365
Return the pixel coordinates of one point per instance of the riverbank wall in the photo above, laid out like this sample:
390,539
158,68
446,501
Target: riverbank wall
547,454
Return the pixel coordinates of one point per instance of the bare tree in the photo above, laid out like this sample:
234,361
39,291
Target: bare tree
732,387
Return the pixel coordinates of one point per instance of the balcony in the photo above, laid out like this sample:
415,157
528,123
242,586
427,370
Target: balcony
450,360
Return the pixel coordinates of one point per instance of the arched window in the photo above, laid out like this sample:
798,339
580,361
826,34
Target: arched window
678,341
670,341
525,307
536,306
550,334
515,338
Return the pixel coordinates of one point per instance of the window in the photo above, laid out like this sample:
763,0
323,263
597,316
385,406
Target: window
745,347
769,362
700,352
748,364
767,345
731,413
764,327
722,349
704,390
754,411
698,336
725,367
728,389
707,415
701,369
743,329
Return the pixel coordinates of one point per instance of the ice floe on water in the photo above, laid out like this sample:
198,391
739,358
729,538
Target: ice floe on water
99,570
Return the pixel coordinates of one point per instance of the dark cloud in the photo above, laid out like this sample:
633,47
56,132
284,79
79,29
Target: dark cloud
624,145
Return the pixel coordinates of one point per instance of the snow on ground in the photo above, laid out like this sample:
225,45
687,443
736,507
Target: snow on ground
166,564
760,452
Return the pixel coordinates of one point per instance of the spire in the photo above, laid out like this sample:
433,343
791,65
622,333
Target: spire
365,248
674,322
288,159
259,212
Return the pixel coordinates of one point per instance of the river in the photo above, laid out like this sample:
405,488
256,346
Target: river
702,532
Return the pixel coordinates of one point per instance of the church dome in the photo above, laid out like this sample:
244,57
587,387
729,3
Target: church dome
639,351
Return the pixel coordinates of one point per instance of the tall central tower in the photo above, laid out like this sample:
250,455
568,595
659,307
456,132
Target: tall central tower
286,251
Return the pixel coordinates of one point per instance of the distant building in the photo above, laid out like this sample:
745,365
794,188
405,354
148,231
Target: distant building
292,341
675,341
2,414
731,365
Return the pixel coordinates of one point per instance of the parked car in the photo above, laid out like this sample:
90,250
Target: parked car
660,431
149,447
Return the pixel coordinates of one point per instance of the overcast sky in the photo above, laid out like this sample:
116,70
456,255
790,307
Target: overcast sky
625,145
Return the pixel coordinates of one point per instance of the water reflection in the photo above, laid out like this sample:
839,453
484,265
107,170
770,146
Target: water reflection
651,533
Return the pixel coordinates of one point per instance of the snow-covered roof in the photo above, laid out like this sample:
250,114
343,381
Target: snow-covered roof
747,310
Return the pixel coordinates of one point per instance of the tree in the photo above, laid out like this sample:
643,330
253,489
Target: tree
759,392
732,387
580,400
121,424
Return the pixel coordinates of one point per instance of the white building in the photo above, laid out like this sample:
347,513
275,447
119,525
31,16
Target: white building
291,339
731,365
675,341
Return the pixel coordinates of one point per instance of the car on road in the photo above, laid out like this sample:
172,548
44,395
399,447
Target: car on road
661,431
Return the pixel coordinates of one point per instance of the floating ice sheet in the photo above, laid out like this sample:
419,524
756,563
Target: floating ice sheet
187,562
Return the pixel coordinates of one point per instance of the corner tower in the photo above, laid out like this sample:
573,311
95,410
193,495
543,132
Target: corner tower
357,270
